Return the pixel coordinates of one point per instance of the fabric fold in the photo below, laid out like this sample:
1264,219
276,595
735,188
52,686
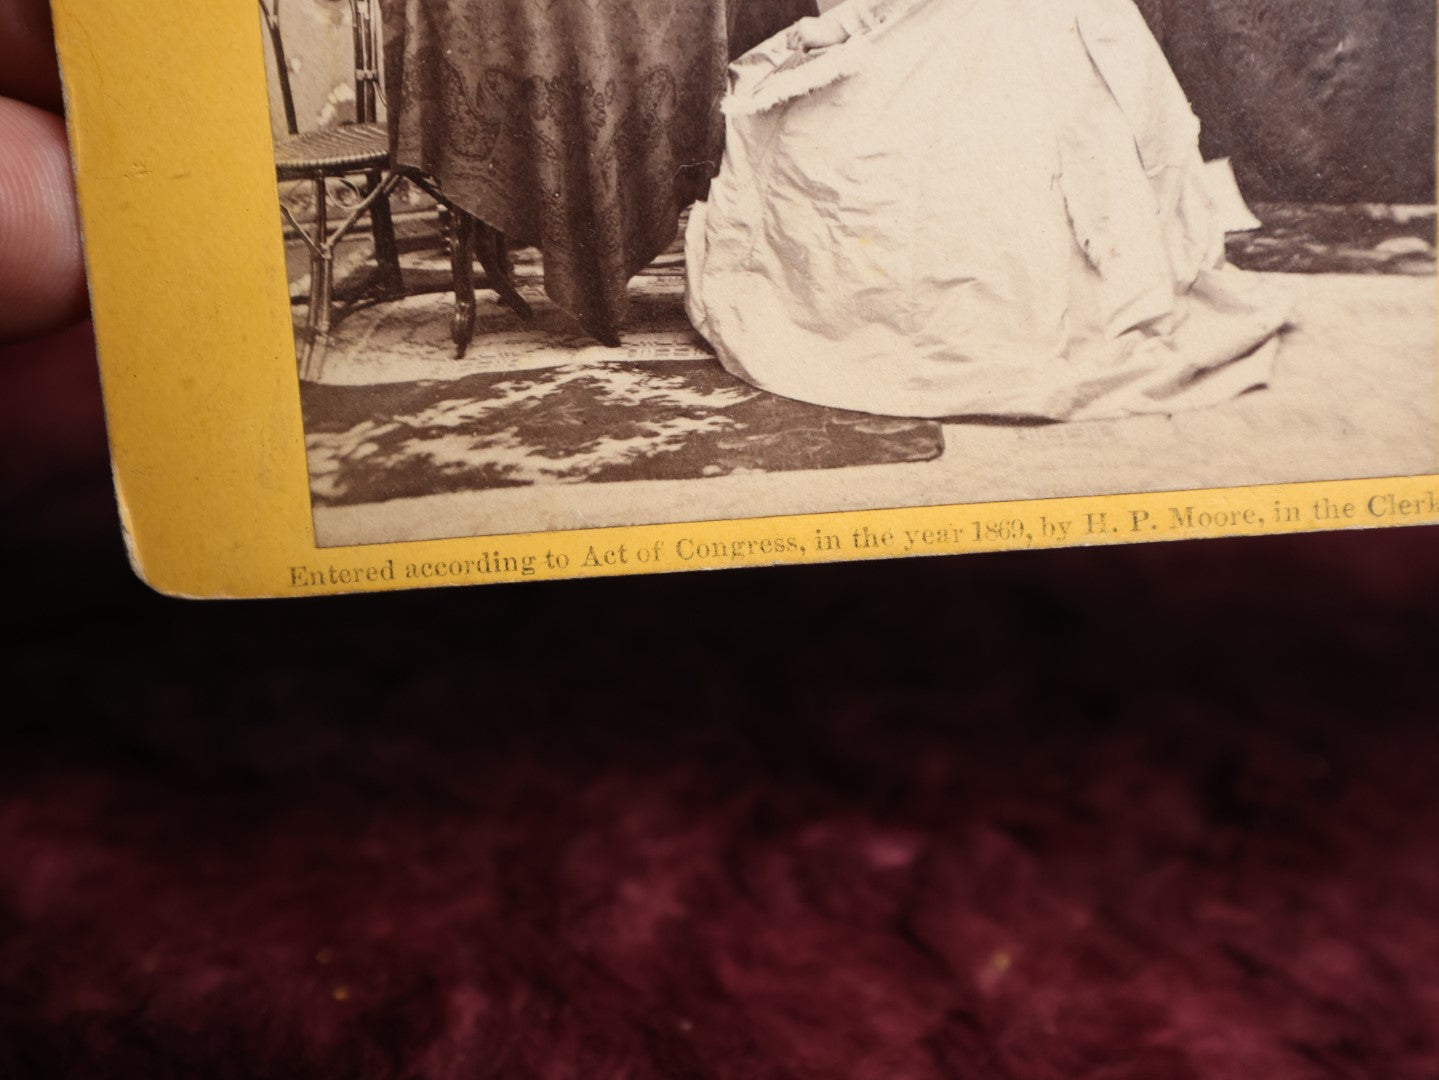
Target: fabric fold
975,207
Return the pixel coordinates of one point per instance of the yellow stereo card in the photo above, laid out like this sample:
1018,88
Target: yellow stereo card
392,293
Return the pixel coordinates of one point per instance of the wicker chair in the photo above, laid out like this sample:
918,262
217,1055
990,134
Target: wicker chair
359,153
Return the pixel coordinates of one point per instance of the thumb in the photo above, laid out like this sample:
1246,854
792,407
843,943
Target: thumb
42,276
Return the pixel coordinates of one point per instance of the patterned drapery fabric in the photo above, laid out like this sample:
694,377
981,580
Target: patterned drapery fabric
581,126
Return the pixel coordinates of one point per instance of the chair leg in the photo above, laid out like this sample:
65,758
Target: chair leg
387,252
445,221
317,317
324,291
494,256
462,263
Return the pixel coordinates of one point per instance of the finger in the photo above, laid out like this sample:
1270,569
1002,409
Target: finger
27,54
42,275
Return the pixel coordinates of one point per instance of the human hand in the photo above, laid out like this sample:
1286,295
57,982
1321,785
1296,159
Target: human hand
51,426
42,277
816,33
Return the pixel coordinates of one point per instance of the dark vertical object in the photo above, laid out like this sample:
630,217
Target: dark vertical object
322,268
271,16
462,261
367,111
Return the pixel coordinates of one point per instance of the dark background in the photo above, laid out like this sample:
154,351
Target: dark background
1314,100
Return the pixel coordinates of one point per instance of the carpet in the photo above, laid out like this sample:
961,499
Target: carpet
580,423
1362,238
409,340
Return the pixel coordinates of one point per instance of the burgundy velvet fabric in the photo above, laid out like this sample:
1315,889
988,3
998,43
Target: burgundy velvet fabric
1161,812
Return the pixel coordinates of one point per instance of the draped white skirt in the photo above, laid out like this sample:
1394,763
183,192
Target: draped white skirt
976,208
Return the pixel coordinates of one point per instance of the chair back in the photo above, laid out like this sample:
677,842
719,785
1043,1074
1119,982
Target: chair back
365,53
365,26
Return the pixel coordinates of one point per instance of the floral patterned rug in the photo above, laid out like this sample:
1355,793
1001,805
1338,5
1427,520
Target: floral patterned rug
580,423
1365,238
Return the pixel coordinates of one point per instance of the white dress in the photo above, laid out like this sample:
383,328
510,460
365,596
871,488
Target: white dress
975,208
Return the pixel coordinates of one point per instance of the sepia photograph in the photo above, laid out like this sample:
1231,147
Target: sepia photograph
582,263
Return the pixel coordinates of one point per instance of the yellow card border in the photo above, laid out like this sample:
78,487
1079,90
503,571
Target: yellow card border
170,127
